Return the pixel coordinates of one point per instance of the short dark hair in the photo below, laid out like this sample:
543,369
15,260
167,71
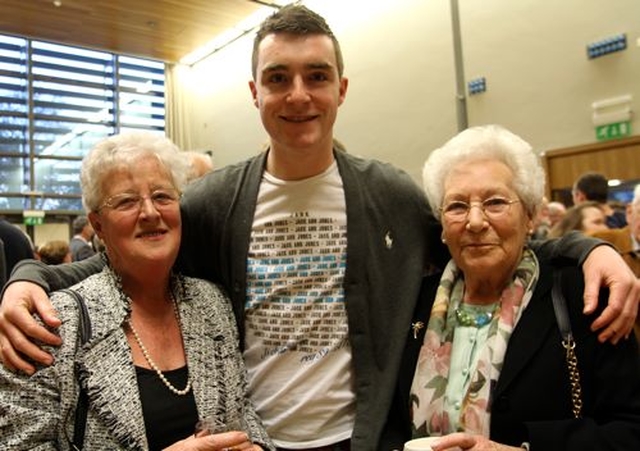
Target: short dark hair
296,20
79,223
594,186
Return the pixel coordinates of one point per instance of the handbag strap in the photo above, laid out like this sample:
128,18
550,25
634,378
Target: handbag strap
80,423
564,324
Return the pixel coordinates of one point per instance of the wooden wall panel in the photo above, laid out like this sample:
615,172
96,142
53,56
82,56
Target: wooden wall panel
619,159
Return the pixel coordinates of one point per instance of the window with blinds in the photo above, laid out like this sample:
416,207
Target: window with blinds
56,101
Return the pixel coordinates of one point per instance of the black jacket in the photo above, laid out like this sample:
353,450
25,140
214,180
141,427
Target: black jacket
531,401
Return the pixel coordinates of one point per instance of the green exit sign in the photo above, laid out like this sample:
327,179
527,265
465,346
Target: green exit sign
33,217
613,131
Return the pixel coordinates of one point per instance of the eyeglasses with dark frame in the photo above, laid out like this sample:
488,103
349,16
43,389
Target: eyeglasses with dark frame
132,202
493,208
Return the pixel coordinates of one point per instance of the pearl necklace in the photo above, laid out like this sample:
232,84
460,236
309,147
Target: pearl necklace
152,364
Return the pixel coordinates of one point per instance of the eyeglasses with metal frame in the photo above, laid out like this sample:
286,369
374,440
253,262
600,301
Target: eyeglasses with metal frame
492,208
132,202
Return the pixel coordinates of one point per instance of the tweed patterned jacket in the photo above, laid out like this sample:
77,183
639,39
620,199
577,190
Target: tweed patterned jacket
37,412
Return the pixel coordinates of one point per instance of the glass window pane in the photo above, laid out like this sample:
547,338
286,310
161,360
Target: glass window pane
14,98
13,94
67,139
56,102
71,63
13,54
132,119
14,134
141,86
13,203
50,204
57,176
55,99
14,176
134,129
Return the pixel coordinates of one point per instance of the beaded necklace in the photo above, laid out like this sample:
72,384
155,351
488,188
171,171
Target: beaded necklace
152,364
475,316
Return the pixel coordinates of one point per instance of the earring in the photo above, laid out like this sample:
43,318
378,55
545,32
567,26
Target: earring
444,240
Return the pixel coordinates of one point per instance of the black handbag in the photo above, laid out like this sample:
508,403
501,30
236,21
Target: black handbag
80,423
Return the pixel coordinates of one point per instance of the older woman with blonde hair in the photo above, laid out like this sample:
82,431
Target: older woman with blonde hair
163,351
484,366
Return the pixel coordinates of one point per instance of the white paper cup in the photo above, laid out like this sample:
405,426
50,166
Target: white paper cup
420,444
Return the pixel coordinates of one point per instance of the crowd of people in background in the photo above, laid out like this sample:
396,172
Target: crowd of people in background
586,217
594,214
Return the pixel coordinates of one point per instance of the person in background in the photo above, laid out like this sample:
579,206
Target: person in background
586,217
549,214
54,252
164,347
322,253
627,239
618,206
81,244
199,163
594,187
555,212
541,223
97,244
16,246
484,365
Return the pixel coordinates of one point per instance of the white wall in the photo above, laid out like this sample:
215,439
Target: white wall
50,231
540,81
399,60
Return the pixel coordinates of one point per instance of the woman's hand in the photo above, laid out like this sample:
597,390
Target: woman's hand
226,441
471,442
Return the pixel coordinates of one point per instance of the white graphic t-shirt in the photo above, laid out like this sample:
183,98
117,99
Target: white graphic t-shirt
297,346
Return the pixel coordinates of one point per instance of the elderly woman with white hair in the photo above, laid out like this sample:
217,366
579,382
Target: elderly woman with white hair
163,349
484,366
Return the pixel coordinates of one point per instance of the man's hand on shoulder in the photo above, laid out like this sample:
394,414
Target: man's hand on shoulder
604,267
19,330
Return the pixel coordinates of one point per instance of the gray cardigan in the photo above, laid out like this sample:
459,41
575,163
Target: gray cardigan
37,412
390,232
392,238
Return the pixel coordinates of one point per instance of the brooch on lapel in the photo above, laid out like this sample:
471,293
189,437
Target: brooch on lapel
416,328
